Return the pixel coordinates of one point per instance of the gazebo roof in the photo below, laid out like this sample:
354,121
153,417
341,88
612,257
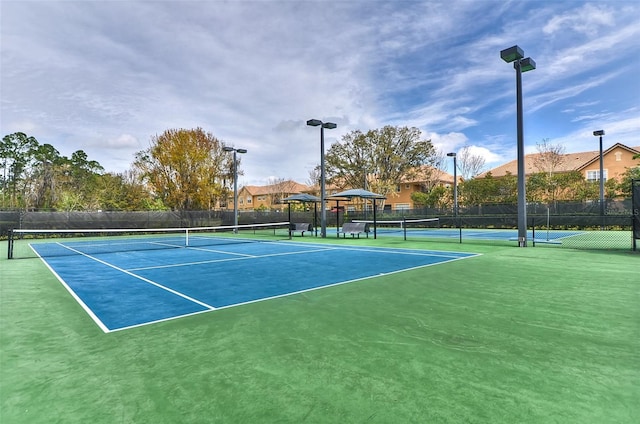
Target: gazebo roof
301,197
357,192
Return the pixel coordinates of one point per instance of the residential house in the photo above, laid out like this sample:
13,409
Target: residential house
616,159
423,178
268,196
426,177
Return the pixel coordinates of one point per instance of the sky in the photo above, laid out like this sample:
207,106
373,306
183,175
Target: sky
106,76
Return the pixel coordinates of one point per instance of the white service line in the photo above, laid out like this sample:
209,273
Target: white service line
146,280
225,260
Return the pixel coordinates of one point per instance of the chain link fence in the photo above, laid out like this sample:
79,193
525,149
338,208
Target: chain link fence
577,225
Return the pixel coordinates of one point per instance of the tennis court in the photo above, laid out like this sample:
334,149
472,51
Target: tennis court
510,335
136,281
430,228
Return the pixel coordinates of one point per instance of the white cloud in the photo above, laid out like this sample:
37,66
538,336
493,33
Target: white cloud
107,76
488,155
589,19
449,142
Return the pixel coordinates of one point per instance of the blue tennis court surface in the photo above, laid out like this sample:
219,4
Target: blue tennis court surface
121,290
541,236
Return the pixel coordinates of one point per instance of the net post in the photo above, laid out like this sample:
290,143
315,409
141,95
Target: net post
533,231
10,245
186,237
404,227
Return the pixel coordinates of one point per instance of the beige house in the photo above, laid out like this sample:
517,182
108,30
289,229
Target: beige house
427,175
616,160
269,196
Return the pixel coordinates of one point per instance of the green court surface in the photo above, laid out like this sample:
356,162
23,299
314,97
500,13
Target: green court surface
514,335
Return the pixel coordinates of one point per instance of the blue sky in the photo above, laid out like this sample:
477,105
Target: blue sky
106,76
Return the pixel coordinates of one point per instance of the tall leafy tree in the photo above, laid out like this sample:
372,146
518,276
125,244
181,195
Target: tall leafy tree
16,153
80,176
185,168
389,154
46,176
123,192
477,191
547,184
631,173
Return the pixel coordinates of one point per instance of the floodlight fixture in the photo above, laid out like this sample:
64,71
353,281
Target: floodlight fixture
599,132
323,212
527,64
511,54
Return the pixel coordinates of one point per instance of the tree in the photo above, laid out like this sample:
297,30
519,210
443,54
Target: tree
314,177
573,186
123,192
547,183
469,164
434,198
16,153
389,154
186,169
632,173
279,188
489,189
46,176
81,181
430,174
550,157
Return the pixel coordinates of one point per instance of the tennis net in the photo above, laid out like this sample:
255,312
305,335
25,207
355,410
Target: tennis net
29,243
402,226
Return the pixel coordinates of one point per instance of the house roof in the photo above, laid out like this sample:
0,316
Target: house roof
634,150
570,162
283,187
426,172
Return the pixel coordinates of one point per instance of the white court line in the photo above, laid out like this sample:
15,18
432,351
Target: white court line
396,250
317,248
224,260
84,306
146,280
203,249
300,291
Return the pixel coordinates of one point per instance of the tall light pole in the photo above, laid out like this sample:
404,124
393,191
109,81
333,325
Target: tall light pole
515,54
600,133
323,212
455,185
235,181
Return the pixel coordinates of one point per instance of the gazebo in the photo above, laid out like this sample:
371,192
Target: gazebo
304,198
357,192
